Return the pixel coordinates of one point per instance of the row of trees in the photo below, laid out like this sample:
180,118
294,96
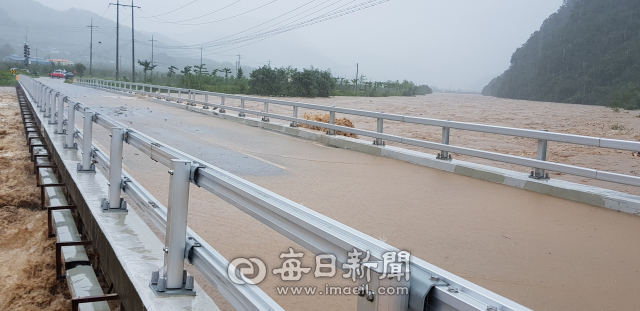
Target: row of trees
281,81
364,87
291,82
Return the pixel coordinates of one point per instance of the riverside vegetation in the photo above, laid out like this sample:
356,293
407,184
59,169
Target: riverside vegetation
588,52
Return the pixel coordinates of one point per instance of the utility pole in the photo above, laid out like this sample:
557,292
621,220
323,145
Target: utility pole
152,51
238,64
200,70
117,4
90,48
133,49
269,62
357,72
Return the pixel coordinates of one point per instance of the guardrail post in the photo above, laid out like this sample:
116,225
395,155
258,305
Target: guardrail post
53,113
179,96
541,155
172,276
295,115
332,121
444,155
47,110
379,141
44,100
71,128
206,98
241,114
222,103
60,115
40,95
114,201
266,110
87,149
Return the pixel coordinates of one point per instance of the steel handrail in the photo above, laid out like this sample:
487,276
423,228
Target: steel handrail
509,131
523,161
310,229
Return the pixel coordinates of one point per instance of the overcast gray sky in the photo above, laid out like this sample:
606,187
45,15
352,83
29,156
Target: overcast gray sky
457,43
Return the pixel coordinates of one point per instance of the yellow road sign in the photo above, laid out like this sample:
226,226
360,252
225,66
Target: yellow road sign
13,71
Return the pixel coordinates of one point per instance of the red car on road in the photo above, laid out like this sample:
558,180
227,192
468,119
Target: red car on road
57,74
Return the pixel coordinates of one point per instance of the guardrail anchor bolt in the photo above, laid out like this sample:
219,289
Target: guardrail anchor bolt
371,296
362,290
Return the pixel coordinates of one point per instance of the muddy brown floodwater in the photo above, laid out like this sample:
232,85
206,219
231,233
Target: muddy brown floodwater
562,118
27,256
541,251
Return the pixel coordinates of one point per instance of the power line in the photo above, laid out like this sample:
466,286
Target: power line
216,21
172,10
259,35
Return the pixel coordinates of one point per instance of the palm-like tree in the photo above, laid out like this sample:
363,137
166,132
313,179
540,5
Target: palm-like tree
227,71
172,72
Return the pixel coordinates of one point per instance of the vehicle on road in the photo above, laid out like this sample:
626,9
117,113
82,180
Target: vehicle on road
57,74
69,75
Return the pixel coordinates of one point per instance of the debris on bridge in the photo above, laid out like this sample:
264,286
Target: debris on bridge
319,117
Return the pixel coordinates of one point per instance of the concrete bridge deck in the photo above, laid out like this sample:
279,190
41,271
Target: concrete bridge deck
543,252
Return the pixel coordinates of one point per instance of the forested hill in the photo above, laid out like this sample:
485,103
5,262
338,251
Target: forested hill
586,53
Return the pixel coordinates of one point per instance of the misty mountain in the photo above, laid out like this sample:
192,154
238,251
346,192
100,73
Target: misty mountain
64,35
588,52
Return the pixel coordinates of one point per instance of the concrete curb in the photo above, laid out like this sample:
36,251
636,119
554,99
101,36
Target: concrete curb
610,199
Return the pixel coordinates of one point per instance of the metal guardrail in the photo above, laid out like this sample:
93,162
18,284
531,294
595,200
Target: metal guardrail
540,165
430,287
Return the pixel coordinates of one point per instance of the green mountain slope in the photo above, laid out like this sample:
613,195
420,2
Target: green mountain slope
586,53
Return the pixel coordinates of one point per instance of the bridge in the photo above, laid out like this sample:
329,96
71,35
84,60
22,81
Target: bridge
475,245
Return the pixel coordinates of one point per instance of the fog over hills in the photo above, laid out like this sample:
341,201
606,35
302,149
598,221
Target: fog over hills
456,44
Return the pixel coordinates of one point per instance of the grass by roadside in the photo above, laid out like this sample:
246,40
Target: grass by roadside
7,78
27,256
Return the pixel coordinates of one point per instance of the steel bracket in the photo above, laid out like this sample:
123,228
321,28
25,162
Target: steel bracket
126,135
419,291
194,172
188,249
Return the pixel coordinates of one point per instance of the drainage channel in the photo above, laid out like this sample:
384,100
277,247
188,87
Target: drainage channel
71,255
128,249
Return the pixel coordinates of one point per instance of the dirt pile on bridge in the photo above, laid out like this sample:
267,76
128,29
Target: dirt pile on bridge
325,118
27,273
